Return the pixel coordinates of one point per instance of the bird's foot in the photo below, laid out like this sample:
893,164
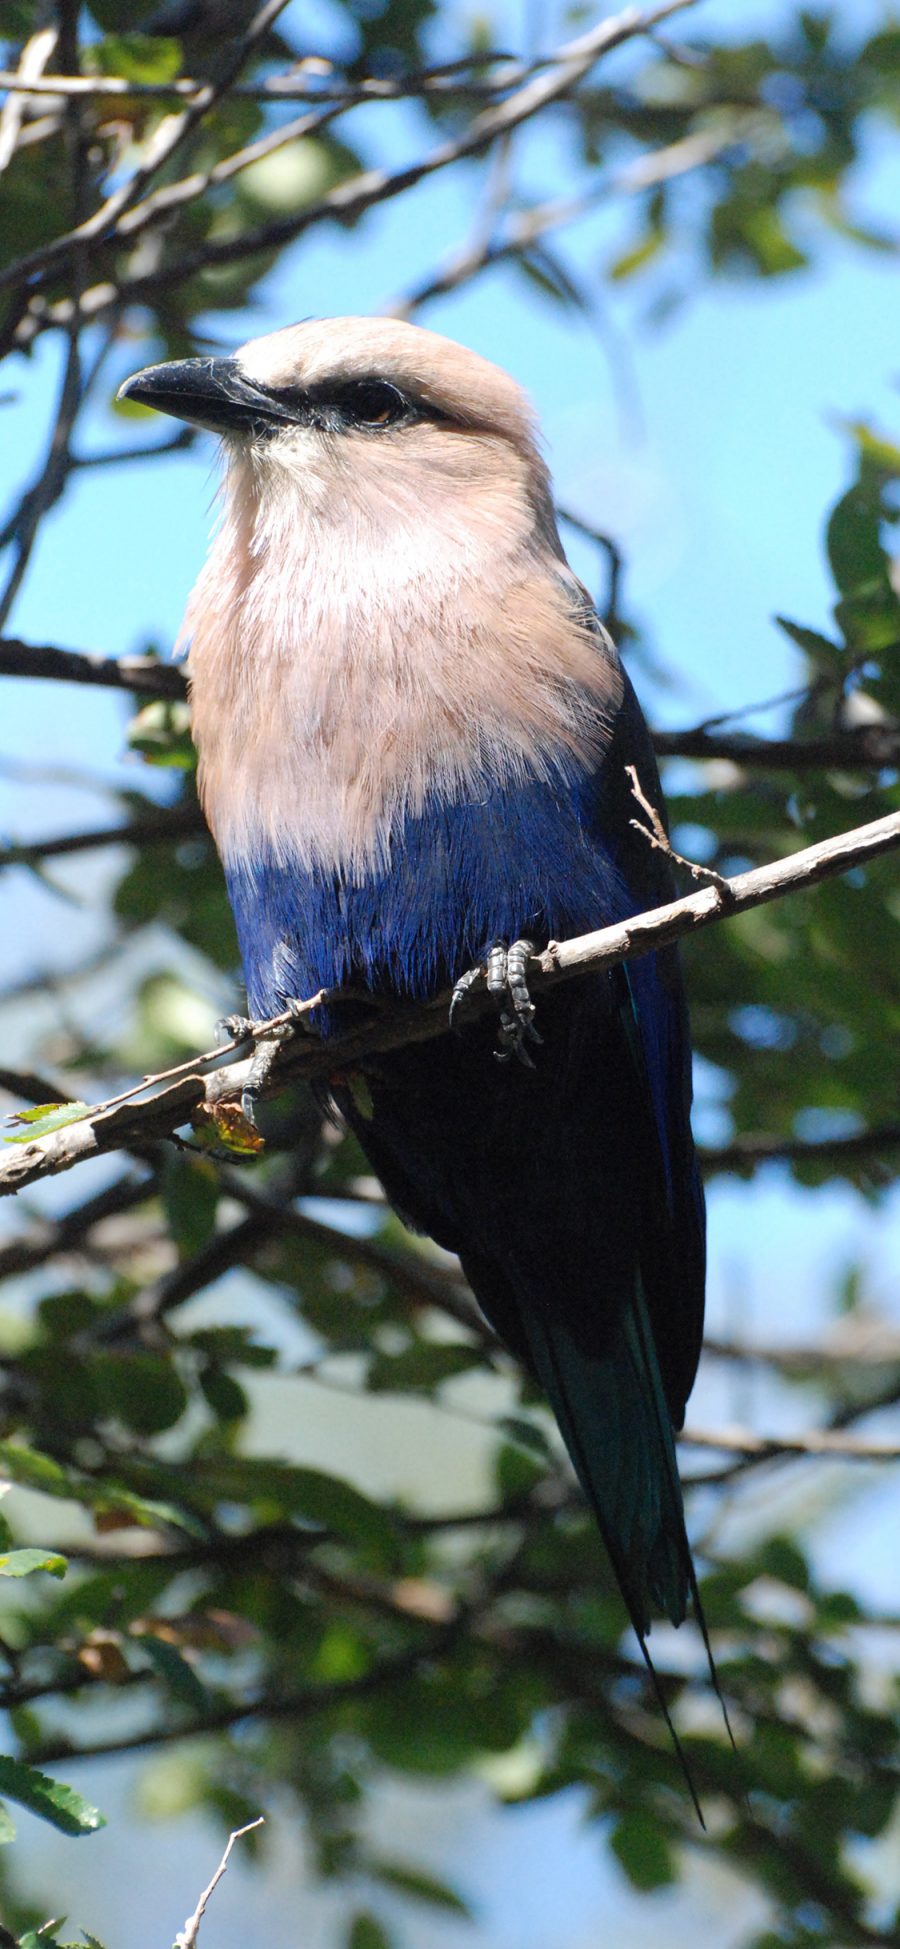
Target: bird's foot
234,1028
269,1037
505,975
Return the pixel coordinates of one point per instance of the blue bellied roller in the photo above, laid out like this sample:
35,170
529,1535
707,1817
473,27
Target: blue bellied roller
414,735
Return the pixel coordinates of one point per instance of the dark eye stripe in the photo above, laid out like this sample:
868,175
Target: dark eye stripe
370,404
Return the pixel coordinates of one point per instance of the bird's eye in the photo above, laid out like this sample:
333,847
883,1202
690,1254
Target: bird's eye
372,402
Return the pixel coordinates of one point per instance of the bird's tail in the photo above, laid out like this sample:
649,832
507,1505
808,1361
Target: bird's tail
613,1416
615,1422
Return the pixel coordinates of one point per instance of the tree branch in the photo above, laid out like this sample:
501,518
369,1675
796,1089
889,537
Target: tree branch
868,747
168,138
570,64
745,1152
142,674
121,1122
858,748
816,1441
159,825
187,1937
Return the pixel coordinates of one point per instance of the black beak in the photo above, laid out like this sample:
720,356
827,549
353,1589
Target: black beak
212,393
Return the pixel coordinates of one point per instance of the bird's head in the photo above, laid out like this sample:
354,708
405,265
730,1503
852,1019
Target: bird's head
348,408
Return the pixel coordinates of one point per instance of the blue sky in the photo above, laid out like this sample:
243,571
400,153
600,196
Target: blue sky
718,499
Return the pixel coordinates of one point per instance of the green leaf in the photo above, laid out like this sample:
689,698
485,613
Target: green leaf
780,1558
643,1851
820,649
638,255
161,730
142,1390
425,1887
138,57
421,1368
177,1674
32,1470
46,1117
51,1799
438,1723
853,539
7,1826
225,1395
21,1563
365,1932
876,447
527,1434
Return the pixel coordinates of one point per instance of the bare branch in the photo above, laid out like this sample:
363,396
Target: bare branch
142,674
170,135
656,835
759,1147
447,78
527,227
35,55
857,748
816,1441
874,1345
46,491
52,1237
187,1937
129,1123
159,825
571,63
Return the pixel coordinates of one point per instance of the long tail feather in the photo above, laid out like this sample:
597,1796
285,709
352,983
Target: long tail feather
613,1416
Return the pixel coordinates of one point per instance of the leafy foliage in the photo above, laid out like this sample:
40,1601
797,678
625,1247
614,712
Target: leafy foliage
325,1638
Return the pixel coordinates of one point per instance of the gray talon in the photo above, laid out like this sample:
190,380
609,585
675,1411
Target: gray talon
233,1028
505,974
464,987
265,1056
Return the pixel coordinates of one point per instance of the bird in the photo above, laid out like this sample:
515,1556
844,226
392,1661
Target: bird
417,746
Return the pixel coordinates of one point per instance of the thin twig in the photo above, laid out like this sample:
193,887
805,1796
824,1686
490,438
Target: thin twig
876,1346
572,63
34,57
450,77
860,747
656,835
529,226
816,1441
187,1937
55,1237
46,491
173,131
159,825
744,1153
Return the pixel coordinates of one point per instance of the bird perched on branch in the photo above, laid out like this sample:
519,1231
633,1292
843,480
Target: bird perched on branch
413,735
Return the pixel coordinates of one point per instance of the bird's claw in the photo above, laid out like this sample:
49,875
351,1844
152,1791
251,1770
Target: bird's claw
462,988
505,975
234,1028
263,1060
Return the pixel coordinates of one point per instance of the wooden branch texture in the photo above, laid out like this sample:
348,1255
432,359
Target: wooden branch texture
217,1076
